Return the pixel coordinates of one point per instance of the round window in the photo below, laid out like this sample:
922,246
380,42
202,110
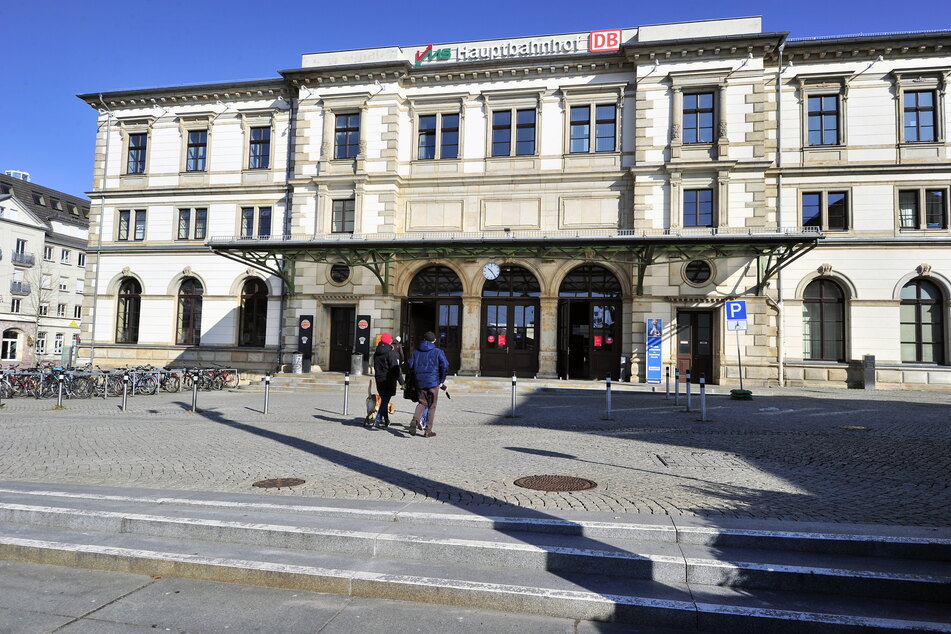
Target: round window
339,273
698,272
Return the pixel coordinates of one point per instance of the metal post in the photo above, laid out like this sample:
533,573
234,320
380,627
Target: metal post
267,390
703,399
195,376
688,390
667,390
346,392
513,395
125,392
677,386
739,358
59,395
607,382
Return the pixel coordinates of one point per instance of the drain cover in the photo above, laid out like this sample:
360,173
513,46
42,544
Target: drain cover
277,483
555,483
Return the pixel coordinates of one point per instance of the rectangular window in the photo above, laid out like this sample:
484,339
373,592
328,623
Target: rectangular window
449,136
56,204
140,224
438,137
580,129
347,135
824,120
65,256
44,310
197,150
343,216
58,343
39,199
60,310
48,254
137,147
828,211
260,150
41,343
63,284
919,117
81,259
123,233
698,117
247,222
15,306
698,207
80,286
201,223
581,124
426,148
77,311
46,282
934,204
264,222
184,223
21,247
502,132
605,128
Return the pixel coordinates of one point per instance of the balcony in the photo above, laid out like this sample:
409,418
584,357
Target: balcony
19,288
23,259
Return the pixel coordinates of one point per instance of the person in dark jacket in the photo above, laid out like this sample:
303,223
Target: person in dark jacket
386,367
430,365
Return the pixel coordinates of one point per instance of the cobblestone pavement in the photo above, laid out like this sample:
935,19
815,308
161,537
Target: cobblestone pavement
820,455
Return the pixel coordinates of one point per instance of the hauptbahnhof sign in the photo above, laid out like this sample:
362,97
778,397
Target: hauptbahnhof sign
593,42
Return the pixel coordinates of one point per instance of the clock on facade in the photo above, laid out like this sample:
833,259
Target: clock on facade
491,271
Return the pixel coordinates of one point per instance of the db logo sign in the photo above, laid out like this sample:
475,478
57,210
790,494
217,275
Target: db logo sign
600,41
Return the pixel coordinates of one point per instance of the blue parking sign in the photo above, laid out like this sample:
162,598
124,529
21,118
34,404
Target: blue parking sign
736,309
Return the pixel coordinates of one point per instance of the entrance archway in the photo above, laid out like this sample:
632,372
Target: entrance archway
510,323
589,324
434,303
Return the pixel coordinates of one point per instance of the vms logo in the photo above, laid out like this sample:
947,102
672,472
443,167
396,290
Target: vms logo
429,54
600,41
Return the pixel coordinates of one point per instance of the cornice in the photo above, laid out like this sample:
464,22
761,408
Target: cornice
181,95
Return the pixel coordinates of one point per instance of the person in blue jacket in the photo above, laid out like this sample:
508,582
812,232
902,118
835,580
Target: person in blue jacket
430,366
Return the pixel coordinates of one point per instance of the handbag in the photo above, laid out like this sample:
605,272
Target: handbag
410,389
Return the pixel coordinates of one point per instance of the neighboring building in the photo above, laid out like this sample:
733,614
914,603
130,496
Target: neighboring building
42,271
536,200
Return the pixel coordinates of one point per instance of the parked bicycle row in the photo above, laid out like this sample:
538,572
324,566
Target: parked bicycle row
88,382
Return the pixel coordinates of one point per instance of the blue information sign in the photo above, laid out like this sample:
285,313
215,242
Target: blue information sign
655,329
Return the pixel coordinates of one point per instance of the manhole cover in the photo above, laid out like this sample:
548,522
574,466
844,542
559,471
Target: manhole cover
277,483
555,483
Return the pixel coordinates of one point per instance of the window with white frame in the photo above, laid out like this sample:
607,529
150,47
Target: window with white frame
81,259
65,255
44,309
80,286
46,282
58,343
8,345
255,222
192,223
63,284
60,310
923,208
78,311
48,253
826,210
41,343
15,305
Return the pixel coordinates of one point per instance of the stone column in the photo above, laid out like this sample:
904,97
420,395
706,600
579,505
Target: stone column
676,140
548,338
471,329
723,138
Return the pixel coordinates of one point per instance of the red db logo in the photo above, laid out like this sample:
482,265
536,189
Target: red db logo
600,41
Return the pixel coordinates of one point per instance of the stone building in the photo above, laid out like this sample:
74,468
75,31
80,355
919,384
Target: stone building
42,272
538,202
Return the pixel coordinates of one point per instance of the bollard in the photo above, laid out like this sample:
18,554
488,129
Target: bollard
677,386
688,391
703,399
513,396
667,391
125,392
267,390
195,376
59,394
346,392
608,388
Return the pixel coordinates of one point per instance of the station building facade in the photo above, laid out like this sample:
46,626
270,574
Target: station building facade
538,202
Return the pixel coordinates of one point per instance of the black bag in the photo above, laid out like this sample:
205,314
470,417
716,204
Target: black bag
410,389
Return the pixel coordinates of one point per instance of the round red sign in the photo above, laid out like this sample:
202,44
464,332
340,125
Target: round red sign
362,324
305,324
491,338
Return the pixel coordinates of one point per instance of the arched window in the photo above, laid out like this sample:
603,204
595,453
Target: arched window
436,281
128,311
8,346
253,320
922,323
513,281
188,332
823,321
590,280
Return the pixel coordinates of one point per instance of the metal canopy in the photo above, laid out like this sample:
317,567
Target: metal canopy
279,255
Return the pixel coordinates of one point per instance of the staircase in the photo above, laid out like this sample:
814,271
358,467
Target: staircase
652,571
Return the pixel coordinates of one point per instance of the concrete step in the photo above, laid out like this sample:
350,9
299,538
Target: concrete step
600,570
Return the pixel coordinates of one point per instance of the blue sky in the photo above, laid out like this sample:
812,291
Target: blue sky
54,50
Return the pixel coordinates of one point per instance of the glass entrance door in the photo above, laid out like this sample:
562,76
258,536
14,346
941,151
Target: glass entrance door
509,337
341,337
